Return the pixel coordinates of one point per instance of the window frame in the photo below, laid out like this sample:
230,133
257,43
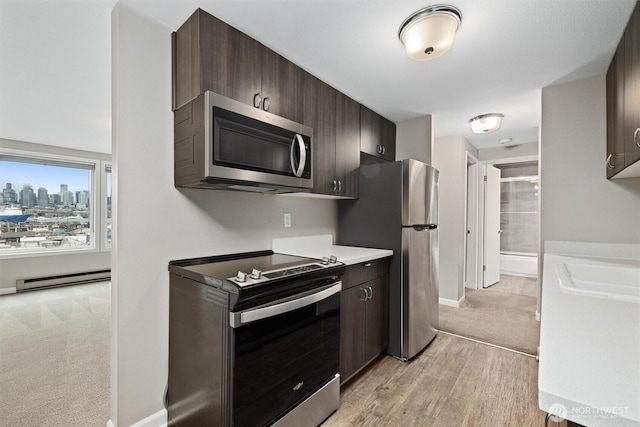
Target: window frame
104,165
96,205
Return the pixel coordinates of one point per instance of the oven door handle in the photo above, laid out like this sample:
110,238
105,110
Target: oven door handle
247,316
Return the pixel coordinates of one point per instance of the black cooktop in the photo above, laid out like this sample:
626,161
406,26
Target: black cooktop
270,265
279,274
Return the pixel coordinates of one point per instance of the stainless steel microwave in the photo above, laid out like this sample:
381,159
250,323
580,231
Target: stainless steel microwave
221,143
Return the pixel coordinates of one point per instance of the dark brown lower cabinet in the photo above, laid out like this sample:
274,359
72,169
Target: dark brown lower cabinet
364,314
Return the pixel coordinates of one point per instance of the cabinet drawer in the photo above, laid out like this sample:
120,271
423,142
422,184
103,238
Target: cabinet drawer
364,272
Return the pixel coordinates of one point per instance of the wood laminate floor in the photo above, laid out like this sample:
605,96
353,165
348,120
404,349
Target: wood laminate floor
454,382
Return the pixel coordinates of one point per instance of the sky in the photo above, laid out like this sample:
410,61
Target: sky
49,177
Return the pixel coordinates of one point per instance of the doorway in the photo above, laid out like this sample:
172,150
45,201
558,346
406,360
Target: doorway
507,218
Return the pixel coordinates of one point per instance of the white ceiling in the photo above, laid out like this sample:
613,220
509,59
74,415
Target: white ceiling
55,58
505,52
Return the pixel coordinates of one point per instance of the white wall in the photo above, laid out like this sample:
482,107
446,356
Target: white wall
55,66
578,203
414,139
508,152
450,158
155,222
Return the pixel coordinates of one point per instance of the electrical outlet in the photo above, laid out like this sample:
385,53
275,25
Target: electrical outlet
287,220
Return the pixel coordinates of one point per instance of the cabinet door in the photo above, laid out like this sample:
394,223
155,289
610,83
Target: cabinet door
352,331
615,110
388,140
347,144
324,180
377,333
370,136
282,86
632,89
209,54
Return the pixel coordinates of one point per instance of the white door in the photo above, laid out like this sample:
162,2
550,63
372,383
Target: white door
491,264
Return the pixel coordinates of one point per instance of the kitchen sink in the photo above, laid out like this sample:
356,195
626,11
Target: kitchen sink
602,281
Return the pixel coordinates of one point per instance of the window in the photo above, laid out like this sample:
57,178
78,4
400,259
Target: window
107,206
519,215
47,204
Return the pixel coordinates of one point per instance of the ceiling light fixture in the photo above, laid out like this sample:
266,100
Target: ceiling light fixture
486,123
429,32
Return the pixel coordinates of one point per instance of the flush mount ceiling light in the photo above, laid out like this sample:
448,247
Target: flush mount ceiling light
429,32
486,123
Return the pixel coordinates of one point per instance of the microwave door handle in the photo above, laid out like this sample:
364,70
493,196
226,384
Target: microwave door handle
303,155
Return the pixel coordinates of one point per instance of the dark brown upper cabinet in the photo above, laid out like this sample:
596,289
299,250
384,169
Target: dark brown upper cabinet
615,107
209,54
631,133
378,135
623,104
347,145
336,139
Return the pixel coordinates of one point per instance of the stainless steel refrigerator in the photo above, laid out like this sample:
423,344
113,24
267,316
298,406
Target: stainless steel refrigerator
398,209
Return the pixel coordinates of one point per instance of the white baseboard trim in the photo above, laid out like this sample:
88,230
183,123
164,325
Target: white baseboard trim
159,419
451,302
7,291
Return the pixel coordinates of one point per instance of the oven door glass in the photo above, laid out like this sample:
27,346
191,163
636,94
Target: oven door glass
281,360
244,143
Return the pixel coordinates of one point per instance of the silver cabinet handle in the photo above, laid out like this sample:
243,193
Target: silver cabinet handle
384,150
367,264
257,99
297,171
266,103
370,292
609,165
379,149
334,187
365,294
636,137
339,186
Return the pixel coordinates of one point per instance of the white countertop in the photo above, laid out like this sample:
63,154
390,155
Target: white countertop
589,346
322,246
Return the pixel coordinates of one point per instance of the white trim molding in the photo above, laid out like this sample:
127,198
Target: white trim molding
7,291
451,302
159,419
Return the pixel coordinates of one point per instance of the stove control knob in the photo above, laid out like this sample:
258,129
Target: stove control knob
256,274
241,277
333,259
325,260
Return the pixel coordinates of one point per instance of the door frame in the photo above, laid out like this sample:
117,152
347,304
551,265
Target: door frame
471,226
481,211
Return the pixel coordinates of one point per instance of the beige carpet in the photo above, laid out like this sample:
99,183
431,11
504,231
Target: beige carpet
502,318
54,357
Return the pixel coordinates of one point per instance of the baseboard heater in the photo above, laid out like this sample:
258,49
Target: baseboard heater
62,280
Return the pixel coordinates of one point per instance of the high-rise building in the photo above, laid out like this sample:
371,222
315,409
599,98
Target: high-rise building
82,199
67,198
9,194
43,197
27,196
66,195
55,199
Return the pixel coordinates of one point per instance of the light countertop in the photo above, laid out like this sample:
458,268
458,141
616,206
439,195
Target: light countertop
589,368
322,246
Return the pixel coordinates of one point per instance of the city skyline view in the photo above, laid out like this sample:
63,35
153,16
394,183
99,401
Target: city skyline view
47,176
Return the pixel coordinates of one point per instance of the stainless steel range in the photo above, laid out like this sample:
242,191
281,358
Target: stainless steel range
254,340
